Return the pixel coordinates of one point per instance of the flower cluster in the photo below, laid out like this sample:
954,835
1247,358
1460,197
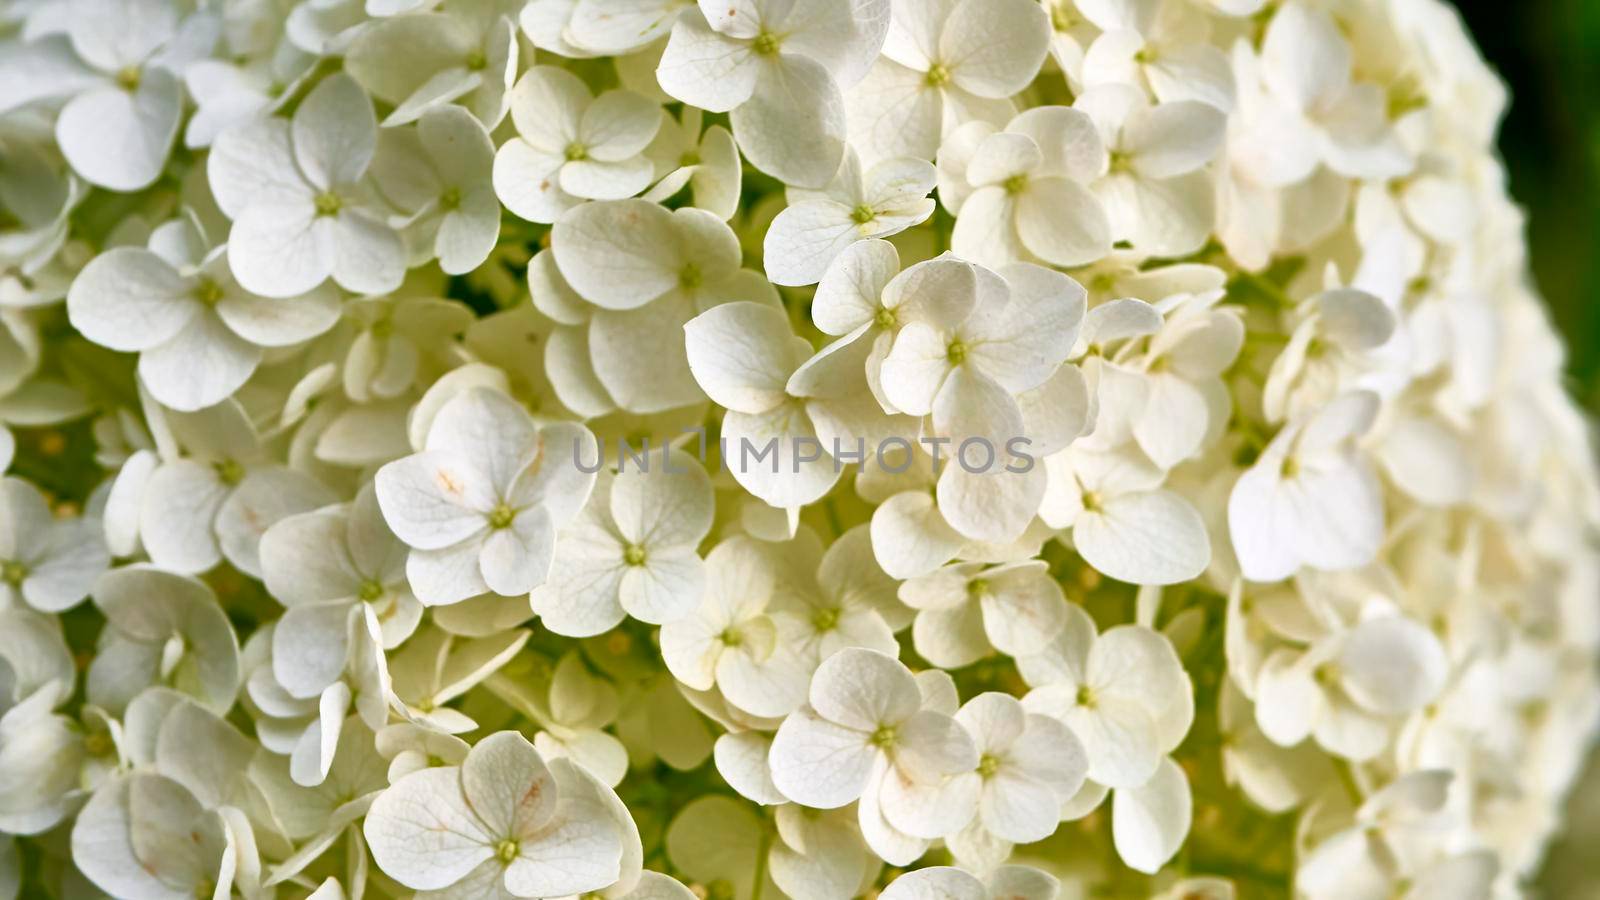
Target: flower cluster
745,449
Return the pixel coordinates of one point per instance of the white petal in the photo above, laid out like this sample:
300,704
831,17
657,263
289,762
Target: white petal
1150,822
1152,537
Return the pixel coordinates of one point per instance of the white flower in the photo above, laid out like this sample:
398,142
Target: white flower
618,27
1123,522
480,505
1330,350
1123,693
144,835
572,146
440,174
1021,195
950,883
216,501
1311,498
162,629
501,824
648,271
632,550
1029,766
735,639
1306,62
322,566
777,68
227,94
118,131
865,735
1154,184
579,708
706,162
787,414
434,667
1161,46
971,365
817,226
466,53
843,597
1349,683
198,333
302,211
47,563
944,65
966,611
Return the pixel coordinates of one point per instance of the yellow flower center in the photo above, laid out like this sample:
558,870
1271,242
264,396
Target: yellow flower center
229,471
766,43
633,555
956,353
506,851
938,76
328,204
128,78
501,516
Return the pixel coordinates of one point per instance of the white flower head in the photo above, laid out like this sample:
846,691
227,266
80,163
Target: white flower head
480,505
301,207
572,146
503,823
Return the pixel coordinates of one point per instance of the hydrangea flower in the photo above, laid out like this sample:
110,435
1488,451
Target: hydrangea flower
823,449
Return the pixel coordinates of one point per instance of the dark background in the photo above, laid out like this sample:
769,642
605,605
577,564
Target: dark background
1548,51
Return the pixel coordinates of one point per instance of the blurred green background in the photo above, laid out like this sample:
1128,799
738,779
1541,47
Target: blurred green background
1548,51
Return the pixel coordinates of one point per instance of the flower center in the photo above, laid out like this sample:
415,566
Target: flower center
229,471
1015,184
885,736
1120,161
1061,19
956,352
506,851
1086,697
476,61
977,587
690,277
328,203
825,619
938,76
988,765
208,292
633,555
863,214
128,78
98,743
766,43
577,151
451,198
1091,501
501,516
730,637
13,573
884,317
370,590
